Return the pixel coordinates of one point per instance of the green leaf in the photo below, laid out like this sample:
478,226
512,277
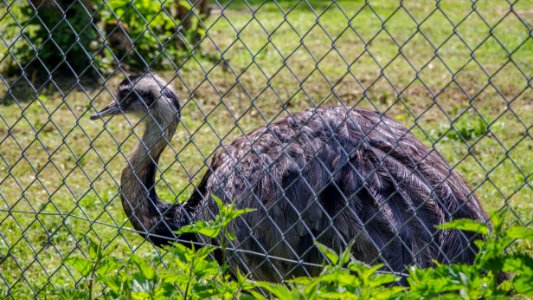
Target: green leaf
185,4
278,290
329,253
142,285
346,254
108,264
231,214
172,277
498,220
95,249
520,232
466,225
209,229
383,279
112,282
523,284
146,270
518,263
235,213
219,202
81,265
69,294
203,252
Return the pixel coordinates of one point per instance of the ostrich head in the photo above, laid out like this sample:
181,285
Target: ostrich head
147,96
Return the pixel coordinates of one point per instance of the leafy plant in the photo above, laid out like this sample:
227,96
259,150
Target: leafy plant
489,275
44,37
345,277
92,269
147,33
466,127
51,36
192,273
217,228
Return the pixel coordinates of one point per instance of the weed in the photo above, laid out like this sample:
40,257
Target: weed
466,127
192,273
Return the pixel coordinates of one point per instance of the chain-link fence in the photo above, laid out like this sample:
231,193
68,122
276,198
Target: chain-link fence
457,74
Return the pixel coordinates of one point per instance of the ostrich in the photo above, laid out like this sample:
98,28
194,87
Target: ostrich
334,175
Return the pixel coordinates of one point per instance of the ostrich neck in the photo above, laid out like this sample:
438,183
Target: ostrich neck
146,212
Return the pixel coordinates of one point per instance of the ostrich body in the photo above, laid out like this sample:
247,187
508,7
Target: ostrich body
334,175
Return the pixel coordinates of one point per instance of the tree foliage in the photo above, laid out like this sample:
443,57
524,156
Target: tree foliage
76,38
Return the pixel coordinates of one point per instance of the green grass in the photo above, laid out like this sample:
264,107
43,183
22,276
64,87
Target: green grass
59,171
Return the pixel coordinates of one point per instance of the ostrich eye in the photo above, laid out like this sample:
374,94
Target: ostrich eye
123,94
128,97
148,98
137,99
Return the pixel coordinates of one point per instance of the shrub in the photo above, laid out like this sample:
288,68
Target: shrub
73,38
45,37
149,33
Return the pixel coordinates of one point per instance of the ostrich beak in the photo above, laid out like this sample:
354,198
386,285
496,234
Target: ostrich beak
111,109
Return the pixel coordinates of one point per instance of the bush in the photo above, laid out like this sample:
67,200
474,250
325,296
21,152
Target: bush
74,38
193,274
147,33
46,37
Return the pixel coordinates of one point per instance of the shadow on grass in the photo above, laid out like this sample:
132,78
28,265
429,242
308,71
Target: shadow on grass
26,88
284,4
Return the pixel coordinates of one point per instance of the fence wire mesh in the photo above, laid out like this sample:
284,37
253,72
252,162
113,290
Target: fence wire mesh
456,74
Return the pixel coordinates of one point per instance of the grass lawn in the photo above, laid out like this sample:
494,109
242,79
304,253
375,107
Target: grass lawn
460,78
